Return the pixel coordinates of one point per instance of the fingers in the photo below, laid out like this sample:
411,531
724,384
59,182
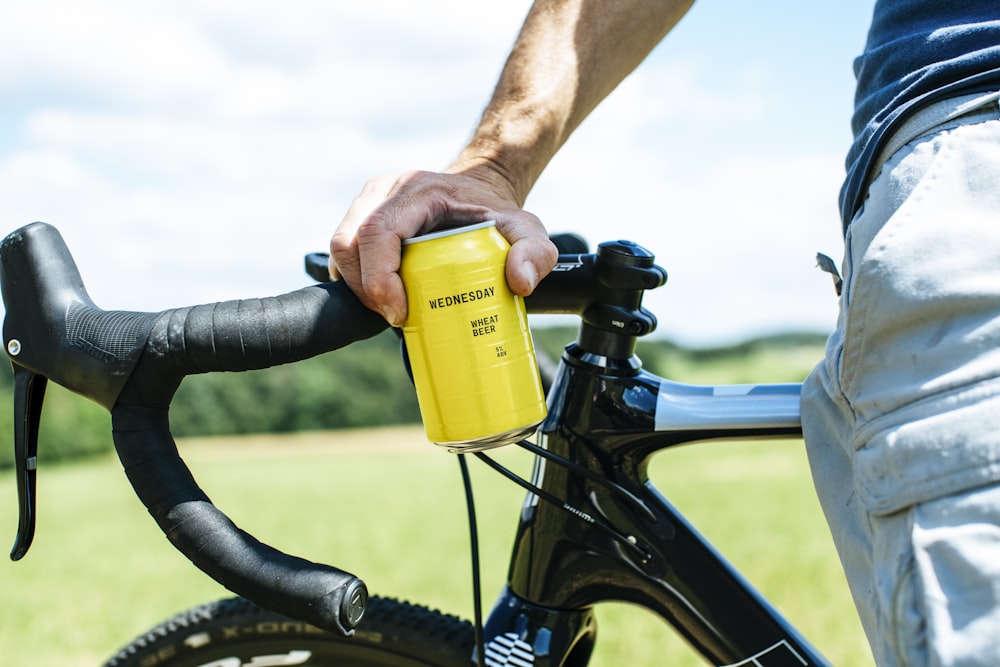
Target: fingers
532,255
379,249
365,249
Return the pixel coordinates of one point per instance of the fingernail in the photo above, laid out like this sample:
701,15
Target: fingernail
530,274
390,316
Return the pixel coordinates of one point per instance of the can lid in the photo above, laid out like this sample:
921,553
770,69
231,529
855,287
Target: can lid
450,232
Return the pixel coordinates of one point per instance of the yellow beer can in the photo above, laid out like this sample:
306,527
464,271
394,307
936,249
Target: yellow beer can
468,340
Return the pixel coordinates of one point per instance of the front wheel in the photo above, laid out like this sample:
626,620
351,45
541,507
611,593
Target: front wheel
235,632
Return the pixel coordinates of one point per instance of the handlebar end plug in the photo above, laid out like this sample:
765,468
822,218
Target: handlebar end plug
352,608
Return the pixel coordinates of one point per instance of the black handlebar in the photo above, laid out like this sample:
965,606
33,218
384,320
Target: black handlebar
235,336
133,363
604,288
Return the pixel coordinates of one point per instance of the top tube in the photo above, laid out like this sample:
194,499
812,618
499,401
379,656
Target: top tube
683,407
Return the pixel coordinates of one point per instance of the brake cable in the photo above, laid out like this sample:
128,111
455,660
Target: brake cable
625,540
477,598
607,529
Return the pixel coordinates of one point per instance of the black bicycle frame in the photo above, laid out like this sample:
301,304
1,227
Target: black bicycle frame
620,539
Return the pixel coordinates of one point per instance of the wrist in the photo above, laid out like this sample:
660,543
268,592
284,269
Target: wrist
509,168
492,171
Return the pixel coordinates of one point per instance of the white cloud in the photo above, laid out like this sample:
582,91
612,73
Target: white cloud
739,243
193,151
118,51
737,231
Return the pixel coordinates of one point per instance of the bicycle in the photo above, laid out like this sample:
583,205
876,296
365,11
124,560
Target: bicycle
592,527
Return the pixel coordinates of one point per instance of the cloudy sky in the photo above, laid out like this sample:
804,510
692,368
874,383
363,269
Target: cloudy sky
194,150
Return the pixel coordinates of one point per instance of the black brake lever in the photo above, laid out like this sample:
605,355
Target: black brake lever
29,391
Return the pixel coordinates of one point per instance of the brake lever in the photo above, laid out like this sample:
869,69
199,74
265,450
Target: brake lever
29,392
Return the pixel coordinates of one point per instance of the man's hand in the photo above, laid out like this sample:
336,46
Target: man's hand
365,249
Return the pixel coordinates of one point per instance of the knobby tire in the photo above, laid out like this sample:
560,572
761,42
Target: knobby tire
234,633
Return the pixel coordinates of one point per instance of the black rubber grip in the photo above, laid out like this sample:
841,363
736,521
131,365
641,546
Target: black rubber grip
235,336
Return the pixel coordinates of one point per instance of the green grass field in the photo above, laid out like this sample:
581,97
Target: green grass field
388,506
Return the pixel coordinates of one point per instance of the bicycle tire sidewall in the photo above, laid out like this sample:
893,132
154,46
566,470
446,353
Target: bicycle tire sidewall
234,632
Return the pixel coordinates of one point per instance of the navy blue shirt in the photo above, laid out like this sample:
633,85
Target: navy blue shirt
918,52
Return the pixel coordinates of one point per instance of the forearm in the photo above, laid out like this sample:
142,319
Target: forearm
569,56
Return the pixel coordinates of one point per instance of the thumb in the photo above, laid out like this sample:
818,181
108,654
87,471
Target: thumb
528,261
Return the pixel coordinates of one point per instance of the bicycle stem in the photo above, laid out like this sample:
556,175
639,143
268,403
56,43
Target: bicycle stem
605,289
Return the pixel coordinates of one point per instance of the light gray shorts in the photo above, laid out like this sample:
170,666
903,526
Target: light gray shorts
902,419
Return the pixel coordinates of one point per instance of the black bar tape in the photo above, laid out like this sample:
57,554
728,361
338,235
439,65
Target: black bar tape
260,333
318,594
235,336
568,289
